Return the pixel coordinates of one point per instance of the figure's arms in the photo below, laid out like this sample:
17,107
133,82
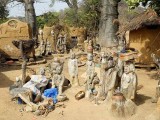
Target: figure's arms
135,83
53,82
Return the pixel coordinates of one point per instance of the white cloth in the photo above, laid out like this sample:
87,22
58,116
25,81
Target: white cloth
35,83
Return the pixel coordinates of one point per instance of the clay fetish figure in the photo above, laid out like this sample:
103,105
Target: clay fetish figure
51,67
90,47
103,61
56,63
90,66
129,81
155,99
85,45
61,44
73,69
110,79
65,42
120,67
41,33
48,48
42,47
58,79
91,87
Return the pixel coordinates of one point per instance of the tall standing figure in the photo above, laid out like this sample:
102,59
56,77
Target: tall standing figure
73,69
129,81
90,71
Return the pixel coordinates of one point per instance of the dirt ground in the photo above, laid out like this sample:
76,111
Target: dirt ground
75,110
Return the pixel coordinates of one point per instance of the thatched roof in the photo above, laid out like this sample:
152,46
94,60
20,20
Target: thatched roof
147,18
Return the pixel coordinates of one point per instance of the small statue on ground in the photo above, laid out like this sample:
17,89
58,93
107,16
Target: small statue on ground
90,47
129,81
48,48
58,79
103,61
85,45
155,99
91,86
111,82
120,67
51,67
42,47
61,44
90,66
41,33
73,69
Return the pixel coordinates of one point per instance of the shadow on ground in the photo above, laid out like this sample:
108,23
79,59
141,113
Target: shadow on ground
140,99
5,81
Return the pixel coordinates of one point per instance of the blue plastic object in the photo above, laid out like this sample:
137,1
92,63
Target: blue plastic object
20,101
51,93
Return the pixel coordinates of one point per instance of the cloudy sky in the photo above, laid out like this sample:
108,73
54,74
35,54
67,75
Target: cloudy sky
16,9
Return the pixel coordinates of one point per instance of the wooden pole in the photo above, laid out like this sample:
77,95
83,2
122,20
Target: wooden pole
23,64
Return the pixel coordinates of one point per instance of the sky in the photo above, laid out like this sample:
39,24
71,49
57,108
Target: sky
16,9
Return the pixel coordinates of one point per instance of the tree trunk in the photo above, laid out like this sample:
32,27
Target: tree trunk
76,21
30,16
108,27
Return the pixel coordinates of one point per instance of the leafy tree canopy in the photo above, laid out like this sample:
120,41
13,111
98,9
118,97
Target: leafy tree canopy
154,4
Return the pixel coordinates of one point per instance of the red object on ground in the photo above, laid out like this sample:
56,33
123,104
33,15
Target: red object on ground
9,62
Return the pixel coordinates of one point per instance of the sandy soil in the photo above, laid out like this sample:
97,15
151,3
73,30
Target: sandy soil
74,110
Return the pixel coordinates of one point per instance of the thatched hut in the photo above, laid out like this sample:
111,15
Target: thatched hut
143,34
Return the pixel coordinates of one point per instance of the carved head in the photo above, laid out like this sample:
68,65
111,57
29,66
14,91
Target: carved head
42,71
110,62
129,67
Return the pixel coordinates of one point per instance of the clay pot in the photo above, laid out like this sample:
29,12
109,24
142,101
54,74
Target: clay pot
80,95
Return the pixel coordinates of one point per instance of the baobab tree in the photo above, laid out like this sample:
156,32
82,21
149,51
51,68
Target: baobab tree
30,15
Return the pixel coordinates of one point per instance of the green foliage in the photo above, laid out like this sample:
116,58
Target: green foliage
49,19
89,14
154,4
3,12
